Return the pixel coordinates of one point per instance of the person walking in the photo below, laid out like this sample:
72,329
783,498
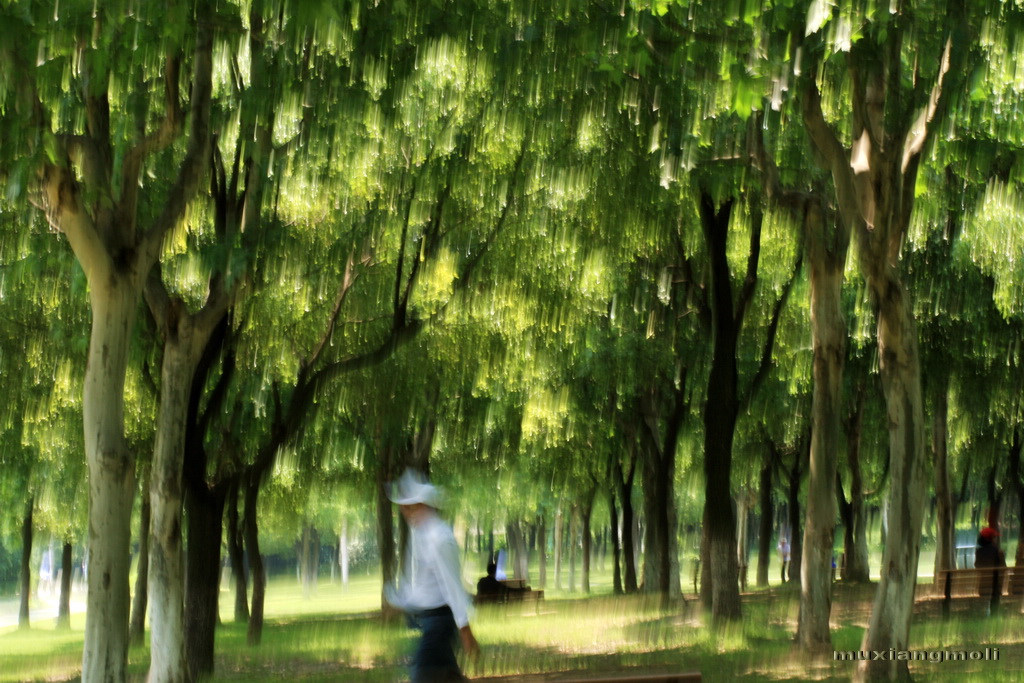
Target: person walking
784,557
430,590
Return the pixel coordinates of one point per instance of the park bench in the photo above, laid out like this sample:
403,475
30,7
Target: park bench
986,582
517,591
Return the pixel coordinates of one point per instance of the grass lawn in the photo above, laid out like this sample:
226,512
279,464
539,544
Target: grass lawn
337,634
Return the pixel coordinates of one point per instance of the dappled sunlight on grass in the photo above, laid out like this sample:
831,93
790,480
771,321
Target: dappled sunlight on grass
338,634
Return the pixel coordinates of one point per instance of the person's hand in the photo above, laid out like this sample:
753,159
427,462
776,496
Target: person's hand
469,643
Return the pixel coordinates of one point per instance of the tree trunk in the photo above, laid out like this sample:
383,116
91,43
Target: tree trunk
542,550
742,544
26,565
236,552
586,511
658,456
166,560
719,571
305,561
202,581
1013,472
857,569
558,549
616,546
385,525
137,625
828,327
343,551
764,533
114,302
901,382
628,542
945,546
64,603
994,498
793,509
252,549
518,554
572,549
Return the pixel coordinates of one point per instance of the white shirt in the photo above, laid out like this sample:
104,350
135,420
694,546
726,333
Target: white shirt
434,578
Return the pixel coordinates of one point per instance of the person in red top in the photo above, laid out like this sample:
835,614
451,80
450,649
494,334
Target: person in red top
989,554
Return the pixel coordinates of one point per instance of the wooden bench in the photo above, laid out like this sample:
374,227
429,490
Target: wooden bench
978,582
989,583
523,595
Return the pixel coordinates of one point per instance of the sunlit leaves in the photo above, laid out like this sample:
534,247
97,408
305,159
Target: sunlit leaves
995,239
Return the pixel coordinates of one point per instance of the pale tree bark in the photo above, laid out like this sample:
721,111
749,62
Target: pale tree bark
827,251
111,481
166,568
901,379
185,336
875,183
99,221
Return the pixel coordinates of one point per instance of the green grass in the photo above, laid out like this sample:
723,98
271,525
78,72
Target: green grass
337,634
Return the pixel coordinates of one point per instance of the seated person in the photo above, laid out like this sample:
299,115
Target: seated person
988,555
489,585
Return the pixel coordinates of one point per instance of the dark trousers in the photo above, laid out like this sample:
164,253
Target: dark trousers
434,658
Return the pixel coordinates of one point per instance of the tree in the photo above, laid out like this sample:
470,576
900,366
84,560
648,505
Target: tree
88,152
890,127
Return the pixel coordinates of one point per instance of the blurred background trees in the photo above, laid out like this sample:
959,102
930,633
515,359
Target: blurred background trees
658,286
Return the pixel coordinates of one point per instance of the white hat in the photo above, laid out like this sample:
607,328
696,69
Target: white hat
412,487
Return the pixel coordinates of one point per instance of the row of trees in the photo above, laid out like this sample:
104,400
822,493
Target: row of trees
573,245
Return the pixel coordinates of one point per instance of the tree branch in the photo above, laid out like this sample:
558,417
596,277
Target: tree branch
773,327
922,128
195,159
156,141
753,258
347,280
828,145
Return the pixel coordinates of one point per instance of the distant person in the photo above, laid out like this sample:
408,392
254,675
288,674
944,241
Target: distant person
784,557
988,555
431,593
489,585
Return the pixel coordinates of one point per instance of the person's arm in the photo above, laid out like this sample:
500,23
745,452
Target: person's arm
450,579
469,643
